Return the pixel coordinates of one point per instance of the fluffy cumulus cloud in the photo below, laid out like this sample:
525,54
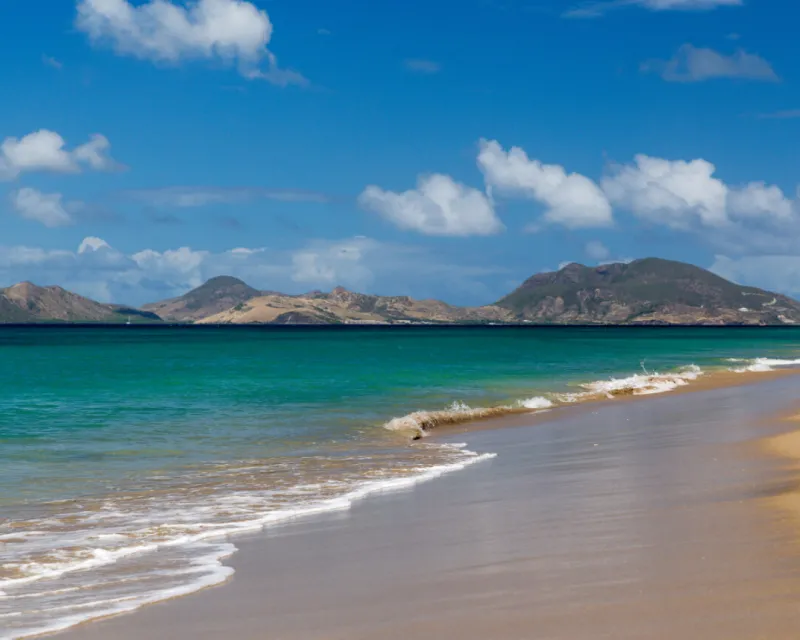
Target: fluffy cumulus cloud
686,195
570,199
692,64
98,270
439,206
46,208
233,31
673,193
594,8
758,200
682,195
46,150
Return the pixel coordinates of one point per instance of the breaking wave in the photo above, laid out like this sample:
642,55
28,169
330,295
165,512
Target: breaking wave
761,365
636,385
421,423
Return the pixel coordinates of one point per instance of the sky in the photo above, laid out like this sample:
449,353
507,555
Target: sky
432,149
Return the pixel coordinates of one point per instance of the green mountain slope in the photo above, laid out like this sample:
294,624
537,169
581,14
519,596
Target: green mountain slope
651,290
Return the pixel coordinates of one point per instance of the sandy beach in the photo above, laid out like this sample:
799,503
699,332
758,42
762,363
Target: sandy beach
653,519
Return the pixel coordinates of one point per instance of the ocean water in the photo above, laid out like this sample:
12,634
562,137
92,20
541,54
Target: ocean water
131,456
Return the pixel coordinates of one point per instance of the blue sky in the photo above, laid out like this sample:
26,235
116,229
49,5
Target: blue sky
426,148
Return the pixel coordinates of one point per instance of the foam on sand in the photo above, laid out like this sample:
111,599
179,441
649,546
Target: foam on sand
639,384
761,365
98,563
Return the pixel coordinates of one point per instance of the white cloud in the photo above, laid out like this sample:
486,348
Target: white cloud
41,207
692,64
95,153
52,62
330,263
92,244
233,31
787,114
595,8
190,197
45,150
758,199
571,200
687,5
672,193
596,250
98,270
439,206
685,194
776,273
420,65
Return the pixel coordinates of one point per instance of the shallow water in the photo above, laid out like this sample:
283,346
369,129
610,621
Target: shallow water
129,455
627,521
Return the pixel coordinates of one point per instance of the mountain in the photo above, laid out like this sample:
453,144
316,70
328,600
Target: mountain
648,291
346,307
215,296
27,303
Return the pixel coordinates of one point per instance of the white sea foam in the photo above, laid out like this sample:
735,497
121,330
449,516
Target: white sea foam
647,384
539,402
74,581
761,365
636,385
421,423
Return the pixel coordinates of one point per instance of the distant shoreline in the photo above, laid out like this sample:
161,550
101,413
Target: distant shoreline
357,326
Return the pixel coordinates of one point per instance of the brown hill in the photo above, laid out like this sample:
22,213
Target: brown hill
648,291
346,307
217,295
27,303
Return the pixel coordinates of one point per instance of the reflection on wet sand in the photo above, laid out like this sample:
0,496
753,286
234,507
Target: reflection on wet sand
634,520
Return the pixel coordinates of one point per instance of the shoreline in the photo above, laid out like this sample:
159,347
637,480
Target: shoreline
353,545
519,417
378,326
717,380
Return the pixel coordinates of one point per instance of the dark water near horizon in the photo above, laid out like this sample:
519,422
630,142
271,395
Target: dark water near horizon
129,455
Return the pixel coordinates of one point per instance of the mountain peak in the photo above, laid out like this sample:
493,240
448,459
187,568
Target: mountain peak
218,294
26,302
218,282
649,290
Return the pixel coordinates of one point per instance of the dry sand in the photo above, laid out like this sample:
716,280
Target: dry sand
624,520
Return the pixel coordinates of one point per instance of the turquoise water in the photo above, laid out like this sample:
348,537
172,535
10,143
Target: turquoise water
130,455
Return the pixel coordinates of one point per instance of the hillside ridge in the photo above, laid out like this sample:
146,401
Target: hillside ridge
640,292
27,303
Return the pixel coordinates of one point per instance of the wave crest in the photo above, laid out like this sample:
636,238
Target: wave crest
638,384
420,423
761,365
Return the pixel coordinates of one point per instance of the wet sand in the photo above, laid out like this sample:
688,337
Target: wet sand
645,520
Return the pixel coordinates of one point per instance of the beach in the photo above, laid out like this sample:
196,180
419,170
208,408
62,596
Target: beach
649,519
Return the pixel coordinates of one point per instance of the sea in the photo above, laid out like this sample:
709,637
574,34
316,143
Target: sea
132,456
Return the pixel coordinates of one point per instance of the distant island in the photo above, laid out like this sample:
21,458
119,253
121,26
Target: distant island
650,291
